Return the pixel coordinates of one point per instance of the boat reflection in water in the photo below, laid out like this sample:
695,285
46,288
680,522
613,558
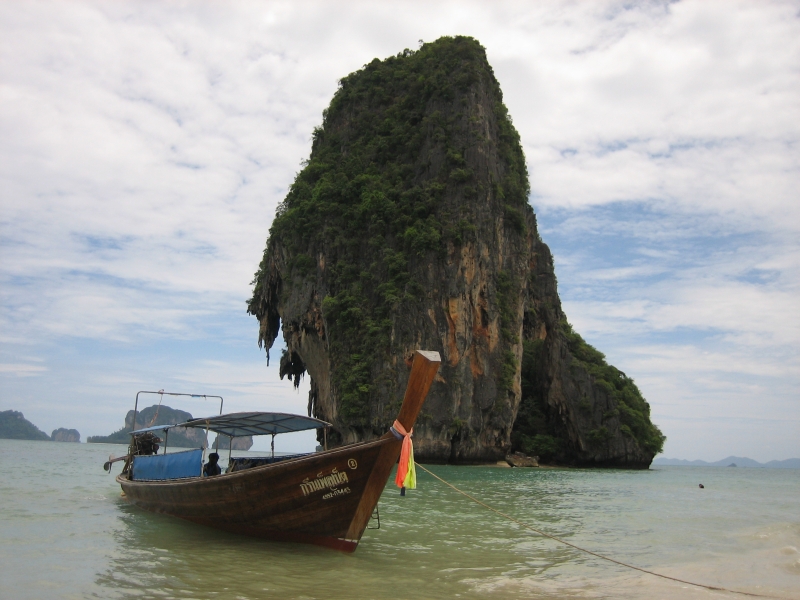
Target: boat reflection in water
326,498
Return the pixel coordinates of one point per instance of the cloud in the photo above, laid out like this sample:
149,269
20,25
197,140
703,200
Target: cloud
22,369
144,148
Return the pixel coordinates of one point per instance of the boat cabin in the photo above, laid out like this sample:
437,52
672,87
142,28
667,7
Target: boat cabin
147,464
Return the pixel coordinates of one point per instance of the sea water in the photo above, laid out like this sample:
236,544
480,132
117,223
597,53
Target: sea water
67,533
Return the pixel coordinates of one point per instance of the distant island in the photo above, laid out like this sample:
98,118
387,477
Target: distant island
731,461
65,435
179,437
14,426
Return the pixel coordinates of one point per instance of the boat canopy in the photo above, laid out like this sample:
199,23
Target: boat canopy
248,423
154,428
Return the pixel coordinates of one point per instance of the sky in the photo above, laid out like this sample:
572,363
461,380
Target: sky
144,147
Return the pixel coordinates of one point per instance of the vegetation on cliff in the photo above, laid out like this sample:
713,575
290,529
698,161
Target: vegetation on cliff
631,407
538,433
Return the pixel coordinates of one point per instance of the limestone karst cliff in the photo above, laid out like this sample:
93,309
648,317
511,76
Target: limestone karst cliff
409,227
62,434
179,437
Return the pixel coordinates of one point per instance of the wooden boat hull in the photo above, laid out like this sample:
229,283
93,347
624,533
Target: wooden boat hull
325,498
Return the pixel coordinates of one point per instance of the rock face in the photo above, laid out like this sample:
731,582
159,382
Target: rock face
409,228
65,435
165,415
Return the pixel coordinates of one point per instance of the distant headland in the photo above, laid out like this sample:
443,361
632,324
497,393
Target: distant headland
731,461
14,426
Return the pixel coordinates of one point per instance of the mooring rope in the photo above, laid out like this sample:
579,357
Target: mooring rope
552,537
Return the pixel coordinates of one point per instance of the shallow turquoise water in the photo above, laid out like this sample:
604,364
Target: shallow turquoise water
67,533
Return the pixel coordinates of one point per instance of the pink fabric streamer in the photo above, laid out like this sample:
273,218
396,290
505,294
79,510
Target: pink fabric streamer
405,452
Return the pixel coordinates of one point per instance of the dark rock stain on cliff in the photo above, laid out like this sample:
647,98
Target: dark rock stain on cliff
409,227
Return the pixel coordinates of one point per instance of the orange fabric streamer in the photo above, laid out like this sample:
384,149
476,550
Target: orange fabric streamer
406,454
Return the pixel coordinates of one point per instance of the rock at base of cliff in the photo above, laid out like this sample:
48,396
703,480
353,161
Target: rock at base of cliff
518,459
65,435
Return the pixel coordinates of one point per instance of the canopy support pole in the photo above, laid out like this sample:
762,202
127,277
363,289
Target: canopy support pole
205,443
272,445
136,409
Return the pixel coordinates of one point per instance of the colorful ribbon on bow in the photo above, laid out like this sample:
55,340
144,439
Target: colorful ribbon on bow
406,473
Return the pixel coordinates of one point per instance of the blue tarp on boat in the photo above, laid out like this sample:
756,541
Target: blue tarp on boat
168,466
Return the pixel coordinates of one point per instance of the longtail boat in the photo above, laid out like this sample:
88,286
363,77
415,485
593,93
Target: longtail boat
325,498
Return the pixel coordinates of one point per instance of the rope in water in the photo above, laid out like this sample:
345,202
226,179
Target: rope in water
552,537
